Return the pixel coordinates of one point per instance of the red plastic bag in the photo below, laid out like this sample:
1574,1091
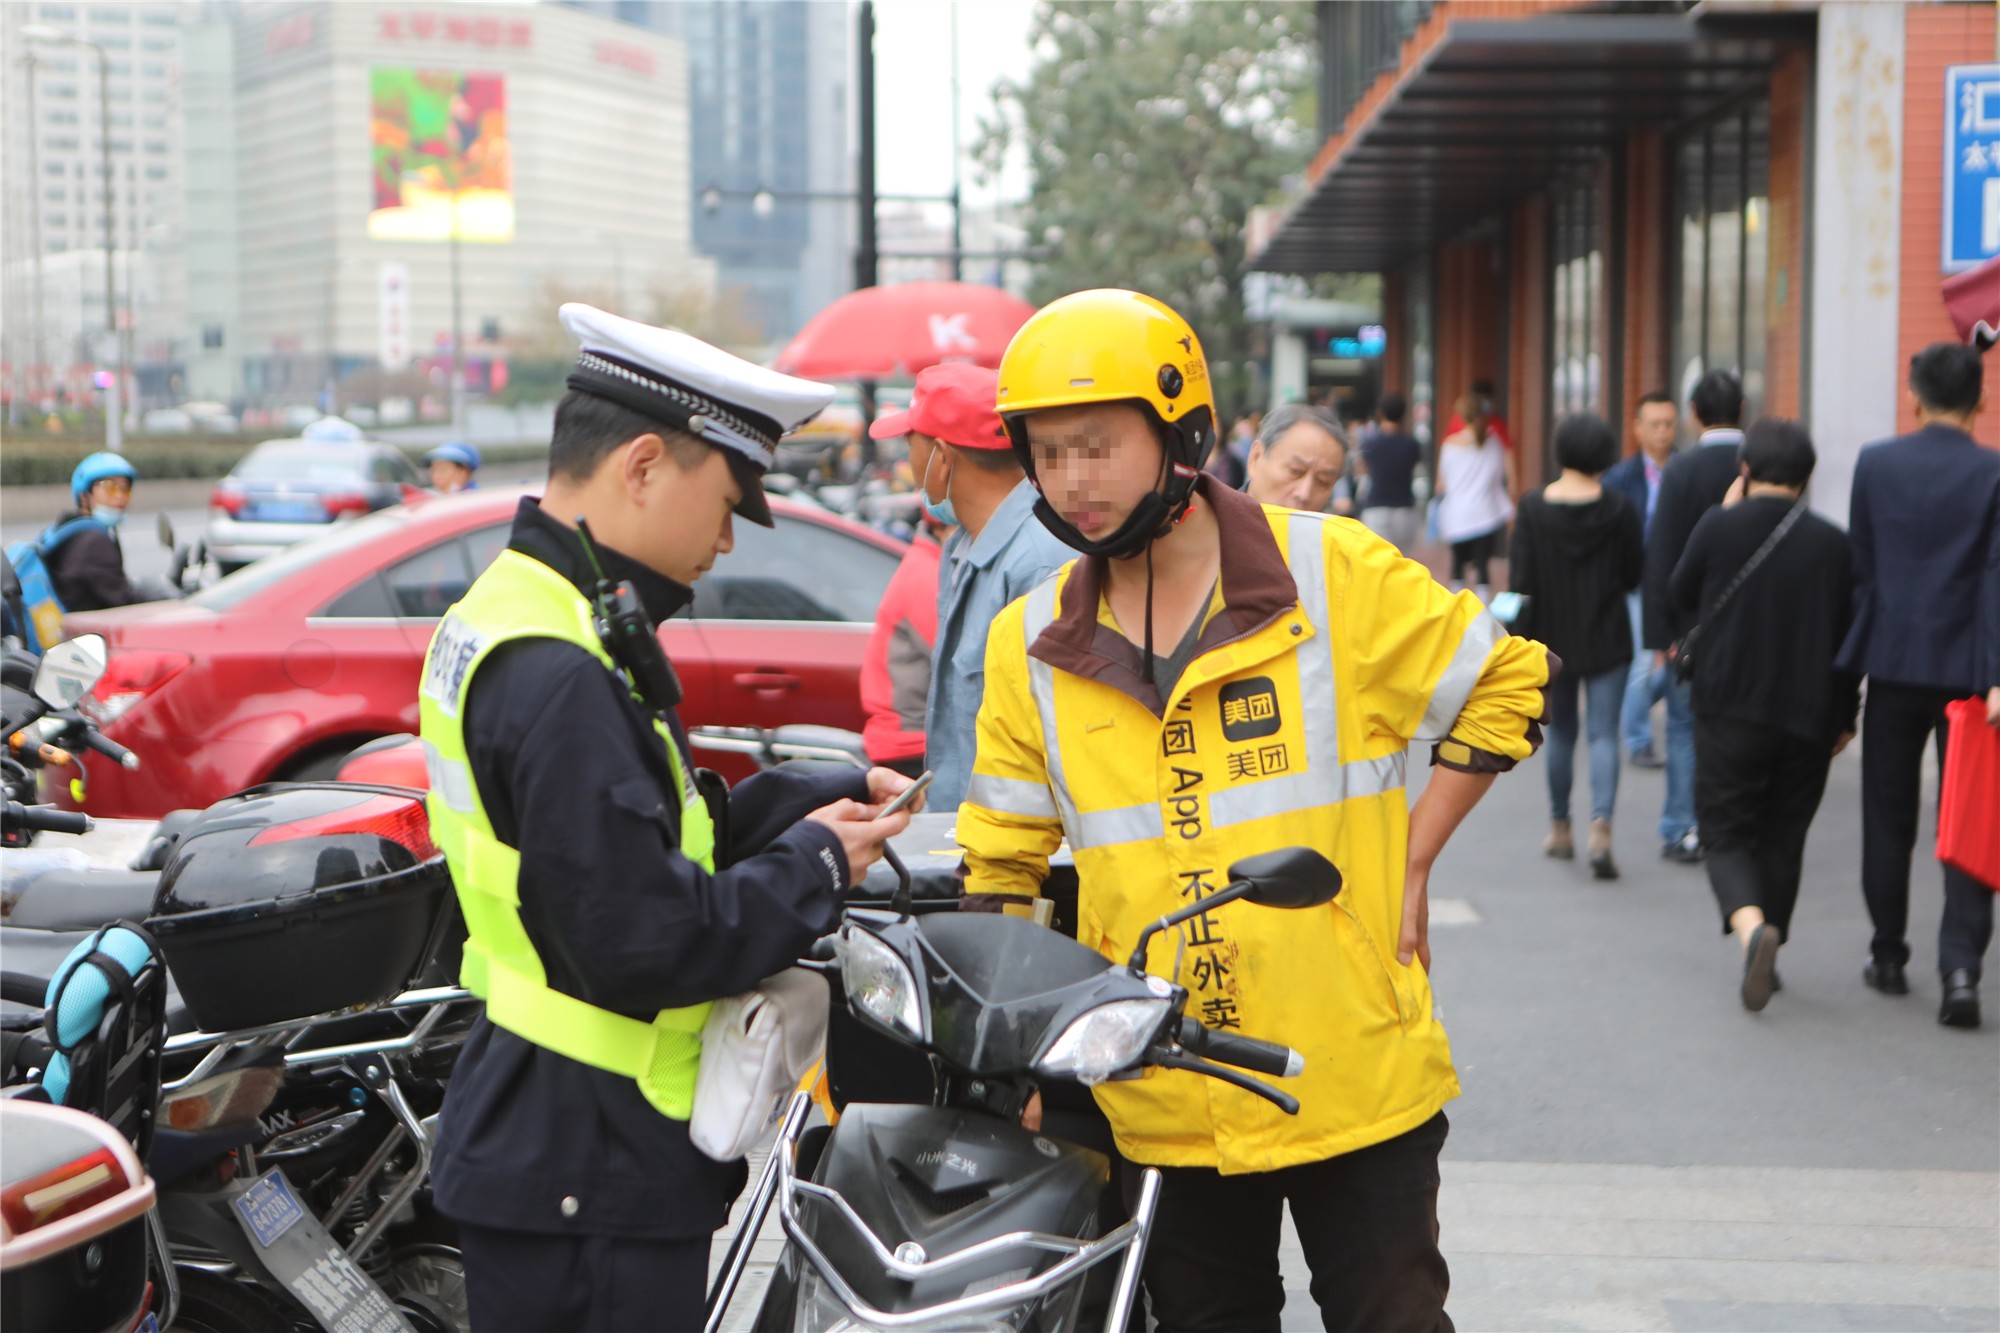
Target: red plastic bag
1969,801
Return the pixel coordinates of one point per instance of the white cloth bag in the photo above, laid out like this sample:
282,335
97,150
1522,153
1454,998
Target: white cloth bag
755,1047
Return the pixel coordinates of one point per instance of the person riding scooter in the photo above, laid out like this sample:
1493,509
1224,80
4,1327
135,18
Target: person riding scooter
88,565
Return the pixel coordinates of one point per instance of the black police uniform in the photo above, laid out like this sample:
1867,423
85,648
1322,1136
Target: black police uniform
580,1206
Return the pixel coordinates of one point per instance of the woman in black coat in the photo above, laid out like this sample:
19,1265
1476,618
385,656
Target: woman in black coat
1578,549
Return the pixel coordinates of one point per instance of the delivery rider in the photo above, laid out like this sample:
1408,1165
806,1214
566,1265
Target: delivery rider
1212,679
607,901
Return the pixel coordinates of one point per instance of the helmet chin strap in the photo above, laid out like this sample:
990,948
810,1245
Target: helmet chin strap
1151,519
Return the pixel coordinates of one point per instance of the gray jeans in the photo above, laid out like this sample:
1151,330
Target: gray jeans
1400,526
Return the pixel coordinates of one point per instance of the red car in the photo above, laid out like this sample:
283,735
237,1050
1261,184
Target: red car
282,669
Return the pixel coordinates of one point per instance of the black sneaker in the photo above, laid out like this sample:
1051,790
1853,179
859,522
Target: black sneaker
1887,978
1646,758
1684,850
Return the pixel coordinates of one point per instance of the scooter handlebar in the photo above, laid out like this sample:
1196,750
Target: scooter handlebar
1284,1101
109,748
1228,1048
45,820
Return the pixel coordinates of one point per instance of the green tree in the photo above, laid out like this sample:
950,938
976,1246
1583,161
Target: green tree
1151,128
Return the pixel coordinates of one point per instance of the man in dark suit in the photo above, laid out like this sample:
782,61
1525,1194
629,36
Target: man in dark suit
1694,483
1925,526
1654,424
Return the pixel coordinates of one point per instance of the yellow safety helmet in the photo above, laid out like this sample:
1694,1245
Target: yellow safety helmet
1114,346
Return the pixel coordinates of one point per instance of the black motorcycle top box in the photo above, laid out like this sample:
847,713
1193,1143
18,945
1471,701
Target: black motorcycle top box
291,900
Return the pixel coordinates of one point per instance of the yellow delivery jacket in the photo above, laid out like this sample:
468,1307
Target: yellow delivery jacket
1325,653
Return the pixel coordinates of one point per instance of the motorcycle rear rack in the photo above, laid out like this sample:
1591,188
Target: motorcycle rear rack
779,1181
217,1043
420,1134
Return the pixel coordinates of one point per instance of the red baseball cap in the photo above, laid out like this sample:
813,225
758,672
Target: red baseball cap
956,402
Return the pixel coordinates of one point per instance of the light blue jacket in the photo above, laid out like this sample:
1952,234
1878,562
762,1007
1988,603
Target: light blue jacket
1013,553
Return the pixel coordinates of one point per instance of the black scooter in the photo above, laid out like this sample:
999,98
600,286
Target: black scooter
952,1216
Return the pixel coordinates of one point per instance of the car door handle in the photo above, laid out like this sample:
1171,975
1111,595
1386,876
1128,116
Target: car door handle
766,682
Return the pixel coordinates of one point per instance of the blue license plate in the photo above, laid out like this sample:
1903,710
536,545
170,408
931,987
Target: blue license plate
277,512
269,1210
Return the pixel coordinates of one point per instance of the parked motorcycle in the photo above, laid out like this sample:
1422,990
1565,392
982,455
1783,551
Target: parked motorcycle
296,1099
952,1216
290,1141
43,732
75,1208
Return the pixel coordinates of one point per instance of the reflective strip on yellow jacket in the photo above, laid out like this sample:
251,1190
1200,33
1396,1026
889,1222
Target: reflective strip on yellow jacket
1294,735
520,597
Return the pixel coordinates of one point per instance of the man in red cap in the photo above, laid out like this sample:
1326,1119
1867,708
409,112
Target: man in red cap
969,477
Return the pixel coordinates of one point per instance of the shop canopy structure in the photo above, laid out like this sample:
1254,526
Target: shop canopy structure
1496,109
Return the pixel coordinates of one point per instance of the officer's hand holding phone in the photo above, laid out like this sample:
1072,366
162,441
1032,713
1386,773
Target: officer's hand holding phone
863,829
892,791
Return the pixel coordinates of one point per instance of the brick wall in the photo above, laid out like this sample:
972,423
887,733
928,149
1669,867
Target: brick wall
1646,275
1395,324
1784,306
1527,335
1468,320
1936,36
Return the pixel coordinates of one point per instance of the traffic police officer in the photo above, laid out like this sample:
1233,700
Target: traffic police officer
609,892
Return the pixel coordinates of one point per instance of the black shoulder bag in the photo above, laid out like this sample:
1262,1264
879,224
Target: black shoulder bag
1684,655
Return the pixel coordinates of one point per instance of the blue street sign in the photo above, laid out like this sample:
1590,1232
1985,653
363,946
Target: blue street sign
1971,165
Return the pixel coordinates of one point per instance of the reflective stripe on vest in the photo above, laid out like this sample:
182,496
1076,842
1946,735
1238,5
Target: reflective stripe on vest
1324,780
517,598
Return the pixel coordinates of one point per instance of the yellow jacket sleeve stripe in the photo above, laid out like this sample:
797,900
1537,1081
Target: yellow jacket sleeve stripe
1010,823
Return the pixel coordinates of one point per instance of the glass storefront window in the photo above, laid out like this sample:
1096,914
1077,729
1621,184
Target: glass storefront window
1423,348
1722,212
1576,304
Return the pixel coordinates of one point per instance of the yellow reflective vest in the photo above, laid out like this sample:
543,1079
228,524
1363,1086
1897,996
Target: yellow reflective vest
520,597
1326,653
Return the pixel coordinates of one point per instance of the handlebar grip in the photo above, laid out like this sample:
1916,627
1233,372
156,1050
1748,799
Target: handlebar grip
46,820
20,988
109,748
1284,1101
1263,1057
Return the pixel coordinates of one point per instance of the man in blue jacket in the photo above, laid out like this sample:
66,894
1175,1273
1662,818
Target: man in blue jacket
1925,527
1638,479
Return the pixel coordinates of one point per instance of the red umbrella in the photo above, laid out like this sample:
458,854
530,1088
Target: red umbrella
1973,299
880,333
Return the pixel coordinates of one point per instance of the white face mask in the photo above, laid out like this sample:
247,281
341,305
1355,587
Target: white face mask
108,516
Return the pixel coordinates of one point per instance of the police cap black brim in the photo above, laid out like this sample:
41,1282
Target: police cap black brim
750,478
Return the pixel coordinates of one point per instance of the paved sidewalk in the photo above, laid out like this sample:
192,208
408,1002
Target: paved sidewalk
1634,1151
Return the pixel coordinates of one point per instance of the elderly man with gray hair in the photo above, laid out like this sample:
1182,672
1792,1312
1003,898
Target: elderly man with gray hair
1298,456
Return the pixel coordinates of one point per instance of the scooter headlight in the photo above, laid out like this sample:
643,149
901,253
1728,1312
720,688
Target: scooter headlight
1104,1040
879,982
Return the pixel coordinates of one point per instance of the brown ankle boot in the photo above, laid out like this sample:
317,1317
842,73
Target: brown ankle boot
1559,845
1601,864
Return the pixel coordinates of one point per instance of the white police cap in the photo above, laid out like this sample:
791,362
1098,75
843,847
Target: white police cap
677,379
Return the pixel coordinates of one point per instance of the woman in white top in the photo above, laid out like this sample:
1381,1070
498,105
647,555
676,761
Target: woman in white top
1473,504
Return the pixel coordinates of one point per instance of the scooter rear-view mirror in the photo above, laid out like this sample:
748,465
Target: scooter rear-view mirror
1289,877
69,670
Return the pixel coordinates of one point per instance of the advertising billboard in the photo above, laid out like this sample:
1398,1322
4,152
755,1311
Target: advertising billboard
438,150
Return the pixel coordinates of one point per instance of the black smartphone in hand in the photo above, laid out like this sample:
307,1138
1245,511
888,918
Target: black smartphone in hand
910,794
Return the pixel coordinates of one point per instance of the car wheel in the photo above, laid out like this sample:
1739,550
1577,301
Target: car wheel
318,767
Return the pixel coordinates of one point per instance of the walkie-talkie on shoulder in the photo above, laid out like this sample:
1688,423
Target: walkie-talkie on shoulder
628,634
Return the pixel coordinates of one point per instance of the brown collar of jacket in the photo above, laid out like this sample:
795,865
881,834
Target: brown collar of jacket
1257,588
